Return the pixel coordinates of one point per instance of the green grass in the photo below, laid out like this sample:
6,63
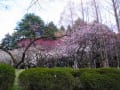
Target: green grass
16,86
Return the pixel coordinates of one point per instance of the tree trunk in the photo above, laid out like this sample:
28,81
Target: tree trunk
116,14
75,66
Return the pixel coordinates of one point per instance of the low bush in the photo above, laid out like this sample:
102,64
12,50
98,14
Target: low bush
94,81
108,70
100,79
114,77
77,74
69,79
7,75
46,79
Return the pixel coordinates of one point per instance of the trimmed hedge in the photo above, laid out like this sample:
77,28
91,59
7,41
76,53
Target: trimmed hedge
7,76
78,85
69,79
46,79
114,77
94,81
98,79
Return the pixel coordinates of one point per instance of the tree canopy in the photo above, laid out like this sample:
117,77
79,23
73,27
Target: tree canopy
29,25
49,31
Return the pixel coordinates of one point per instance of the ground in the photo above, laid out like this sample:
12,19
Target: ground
17,72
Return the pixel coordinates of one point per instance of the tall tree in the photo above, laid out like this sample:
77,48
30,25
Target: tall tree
62,28
96,9
82,10
78,23
29,25
116,8
69,14
49,31
7,41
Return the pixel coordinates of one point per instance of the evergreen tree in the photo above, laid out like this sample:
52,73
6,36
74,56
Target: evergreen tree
62,28
50,30
29,25
8,42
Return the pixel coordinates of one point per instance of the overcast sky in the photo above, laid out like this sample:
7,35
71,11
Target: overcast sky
48,10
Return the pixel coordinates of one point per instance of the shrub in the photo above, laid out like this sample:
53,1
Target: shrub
94,81
114,77
100,79
46,79
69,79
108,70
77,74
7,75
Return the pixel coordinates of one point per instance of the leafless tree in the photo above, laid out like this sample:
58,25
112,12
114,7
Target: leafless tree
116,8
69,14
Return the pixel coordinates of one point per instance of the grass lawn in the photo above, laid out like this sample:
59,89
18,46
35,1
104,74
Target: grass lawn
17,72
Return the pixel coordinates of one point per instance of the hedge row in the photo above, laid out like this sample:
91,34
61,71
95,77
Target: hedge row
98,79
46,79
69,79
7,75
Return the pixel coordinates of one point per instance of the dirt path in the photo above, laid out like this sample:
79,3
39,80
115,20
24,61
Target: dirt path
17,73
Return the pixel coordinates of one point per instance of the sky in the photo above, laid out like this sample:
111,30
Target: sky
48,10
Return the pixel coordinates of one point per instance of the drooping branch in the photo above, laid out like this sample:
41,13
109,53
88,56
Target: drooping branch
24,52
10,54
